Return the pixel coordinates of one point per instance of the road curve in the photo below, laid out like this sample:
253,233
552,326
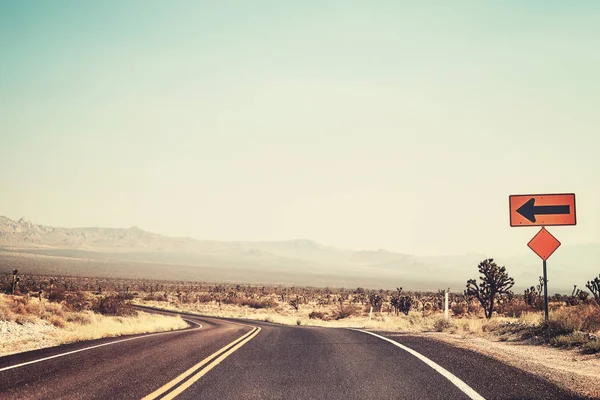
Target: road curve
255,360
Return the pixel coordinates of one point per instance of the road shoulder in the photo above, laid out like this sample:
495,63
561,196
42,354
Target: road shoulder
568,369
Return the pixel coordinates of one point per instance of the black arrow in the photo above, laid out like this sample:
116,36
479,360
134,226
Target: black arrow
529,210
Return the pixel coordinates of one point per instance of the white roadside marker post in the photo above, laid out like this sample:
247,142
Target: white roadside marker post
446,304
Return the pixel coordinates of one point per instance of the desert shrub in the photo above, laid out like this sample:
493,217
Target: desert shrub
514,308
459,309
414,318
298,322
569,341
57,295
80,318
76,301
34,308
203,298
257,304
155,297
232,301
591,347
52,308
6,313
57,321
491,326
126,295
346,312
585,318
317,315
113,305
342,314
442,324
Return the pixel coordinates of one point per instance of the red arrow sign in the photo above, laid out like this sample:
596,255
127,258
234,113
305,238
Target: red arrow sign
542,209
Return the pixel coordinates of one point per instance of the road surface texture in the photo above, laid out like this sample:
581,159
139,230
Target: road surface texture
227,359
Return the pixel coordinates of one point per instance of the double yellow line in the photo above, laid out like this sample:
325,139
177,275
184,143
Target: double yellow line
198,371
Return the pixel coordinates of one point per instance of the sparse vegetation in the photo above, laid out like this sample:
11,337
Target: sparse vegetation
518,315
27,323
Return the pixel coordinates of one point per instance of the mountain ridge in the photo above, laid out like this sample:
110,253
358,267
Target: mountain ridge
298,261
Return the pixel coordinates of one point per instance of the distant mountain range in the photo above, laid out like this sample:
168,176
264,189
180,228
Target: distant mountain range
135,253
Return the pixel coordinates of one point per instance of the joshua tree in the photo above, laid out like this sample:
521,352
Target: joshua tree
376,301
531,296
495,283
594,286
359,296
540,287
401,303
295,303
15,282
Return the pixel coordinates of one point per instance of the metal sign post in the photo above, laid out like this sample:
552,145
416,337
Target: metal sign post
545,293
544,244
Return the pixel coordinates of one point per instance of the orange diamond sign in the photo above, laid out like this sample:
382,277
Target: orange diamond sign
543,244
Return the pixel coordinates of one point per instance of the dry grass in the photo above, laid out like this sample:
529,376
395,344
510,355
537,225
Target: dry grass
413,322
582,318
28,324
568,323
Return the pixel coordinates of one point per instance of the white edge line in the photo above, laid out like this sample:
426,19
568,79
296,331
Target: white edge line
466,389
99,345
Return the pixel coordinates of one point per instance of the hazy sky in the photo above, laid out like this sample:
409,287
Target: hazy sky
385,124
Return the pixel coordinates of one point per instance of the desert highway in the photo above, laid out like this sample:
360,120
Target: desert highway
228,359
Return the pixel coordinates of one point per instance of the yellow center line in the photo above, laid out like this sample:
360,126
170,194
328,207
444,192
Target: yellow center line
163,389
210,366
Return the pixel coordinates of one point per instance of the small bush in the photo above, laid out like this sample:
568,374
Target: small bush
203,298
126,295
298,322
76,301
52,309
317,315
591,347
57,321
79,318
34,307
347,312
585,318
459,309
576,339
258,304
57,295
474,308
513,309
113,305
442,324
155,297
414,318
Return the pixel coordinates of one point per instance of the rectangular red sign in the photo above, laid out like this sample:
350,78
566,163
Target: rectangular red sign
542,209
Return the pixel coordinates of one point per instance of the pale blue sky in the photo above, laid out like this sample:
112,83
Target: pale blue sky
386,124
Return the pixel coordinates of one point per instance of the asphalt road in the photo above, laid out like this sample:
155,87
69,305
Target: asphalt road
226,359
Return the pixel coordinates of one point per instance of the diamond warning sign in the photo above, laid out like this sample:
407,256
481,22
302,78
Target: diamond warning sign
544,244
